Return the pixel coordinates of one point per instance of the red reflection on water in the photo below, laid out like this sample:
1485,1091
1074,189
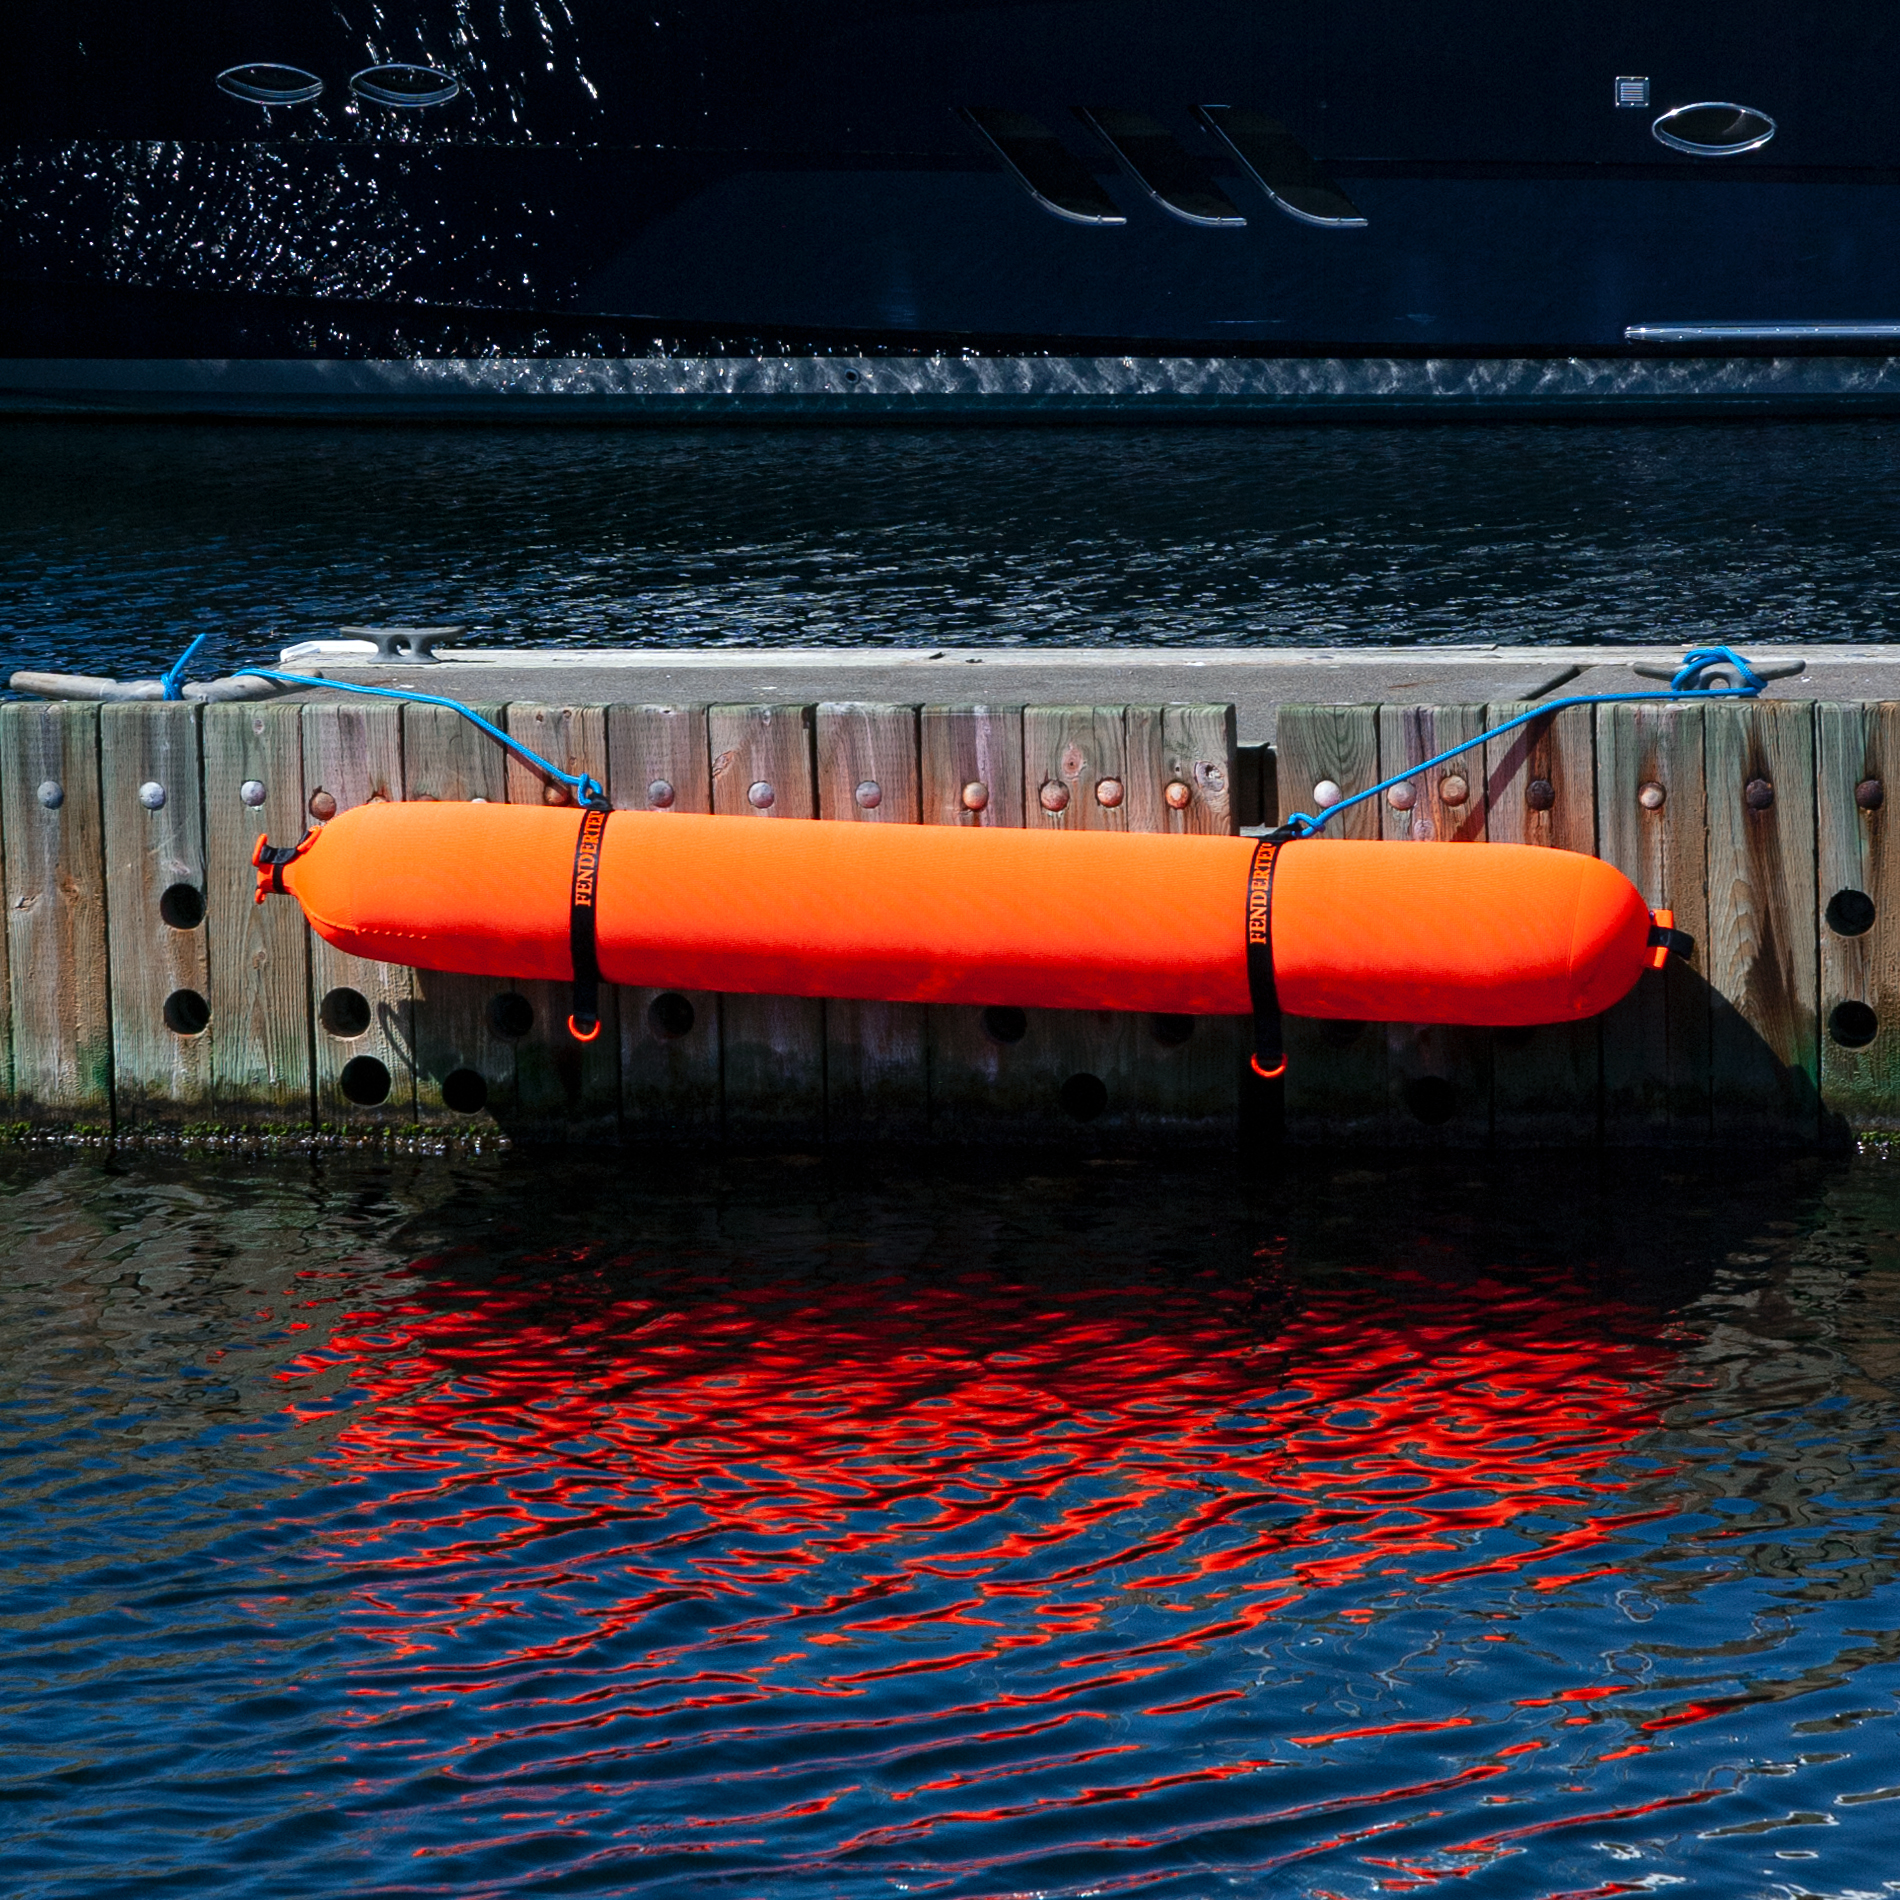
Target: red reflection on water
938,1502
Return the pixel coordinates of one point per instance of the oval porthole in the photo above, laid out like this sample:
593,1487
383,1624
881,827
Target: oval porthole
263,84
408,86
1714,129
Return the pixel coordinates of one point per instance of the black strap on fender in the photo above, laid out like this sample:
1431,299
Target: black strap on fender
584,1023
1269,1048
1670,940
270,859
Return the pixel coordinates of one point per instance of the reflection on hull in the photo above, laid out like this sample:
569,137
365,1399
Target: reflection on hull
1011,205
865,387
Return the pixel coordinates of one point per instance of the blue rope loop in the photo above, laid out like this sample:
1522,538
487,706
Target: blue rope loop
174,681
1686,683
1697,662
587,789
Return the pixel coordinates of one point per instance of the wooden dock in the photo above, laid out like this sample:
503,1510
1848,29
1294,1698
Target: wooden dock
144,995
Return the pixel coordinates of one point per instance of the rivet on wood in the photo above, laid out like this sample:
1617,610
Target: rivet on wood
152,795
976,796
1651,796
660,795
1178,794
1403,796
870,794
1540,794
1422,827
1870,794
1054,796
322,806
554,794
1108,792
760,795
252,791
1758,795
1326,793
1453,788
52,794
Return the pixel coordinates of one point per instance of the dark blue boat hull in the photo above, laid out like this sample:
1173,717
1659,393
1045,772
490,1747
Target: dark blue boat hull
739,210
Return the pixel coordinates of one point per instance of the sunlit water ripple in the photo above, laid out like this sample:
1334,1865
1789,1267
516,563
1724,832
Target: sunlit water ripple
550,1526
118,543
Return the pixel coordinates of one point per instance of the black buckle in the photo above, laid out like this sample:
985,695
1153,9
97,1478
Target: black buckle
1678,943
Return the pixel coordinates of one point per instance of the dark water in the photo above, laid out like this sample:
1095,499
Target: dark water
119,542
689,1528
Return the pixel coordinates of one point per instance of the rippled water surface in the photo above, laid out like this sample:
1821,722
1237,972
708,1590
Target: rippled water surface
118,542
601,1526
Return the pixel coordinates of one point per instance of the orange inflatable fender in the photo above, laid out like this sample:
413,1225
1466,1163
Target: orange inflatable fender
1400,932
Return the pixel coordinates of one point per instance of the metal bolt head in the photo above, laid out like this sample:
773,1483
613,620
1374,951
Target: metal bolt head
1422,828
1326,793
554,794
322,806
1758,794
52,794
1054,796
1454,788
1108,792
1870,794
1403,796
252,791
1540,794
976,796
870,795
660,795
1179,794
152,795
760,795
1651,796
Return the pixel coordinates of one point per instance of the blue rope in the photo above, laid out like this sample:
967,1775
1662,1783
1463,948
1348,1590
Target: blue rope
174,681
587,789
1685,684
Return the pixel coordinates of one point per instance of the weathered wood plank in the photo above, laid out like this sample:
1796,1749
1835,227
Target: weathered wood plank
1857,778
1184,767
56,913
565,1090
1075,778
1540,789
659,760
259,953
877,1075
1652,824
985,1079
465,1065
1763,959
773,1047
1186,1070
152,808
364,1033
1438,1077
1335,1071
